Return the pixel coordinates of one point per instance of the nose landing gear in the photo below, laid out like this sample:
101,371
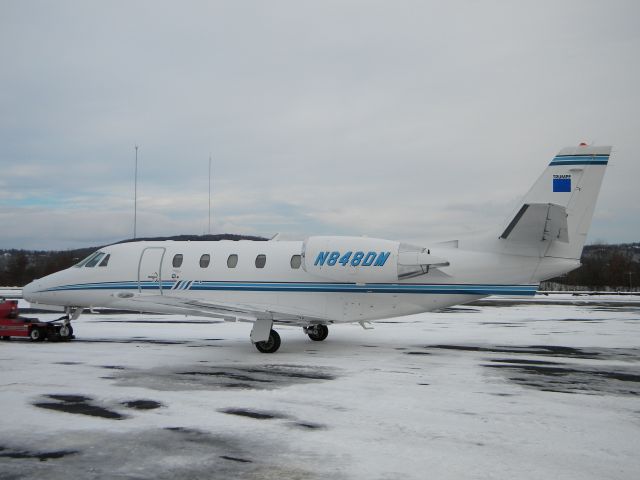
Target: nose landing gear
66,330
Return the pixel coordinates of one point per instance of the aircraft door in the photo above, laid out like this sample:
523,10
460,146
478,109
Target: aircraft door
150,269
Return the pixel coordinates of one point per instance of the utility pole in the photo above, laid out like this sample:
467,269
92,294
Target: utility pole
135,197
209,231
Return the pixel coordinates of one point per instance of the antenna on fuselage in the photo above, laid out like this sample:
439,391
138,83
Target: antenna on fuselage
209,230
135,196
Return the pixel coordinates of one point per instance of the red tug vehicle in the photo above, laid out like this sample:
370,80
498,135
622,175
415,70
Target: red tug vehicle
13,325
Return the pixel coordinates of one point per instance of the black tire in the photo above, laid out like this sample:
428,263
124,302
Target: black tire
318,333
270,346
65,332
37,334
6,338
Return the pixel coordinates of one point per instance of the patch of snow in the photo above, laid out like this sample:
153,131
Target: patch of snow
491,391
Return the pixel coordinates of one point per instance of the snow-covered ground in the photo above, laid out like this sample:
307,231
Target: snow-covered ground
499,390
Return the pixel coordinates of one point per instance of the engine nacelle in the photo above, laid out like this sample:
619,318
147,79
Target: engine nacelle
351,259
366,260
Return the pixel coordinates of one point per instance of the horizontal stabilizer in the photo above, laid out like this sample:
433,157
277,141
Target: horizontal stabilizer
538,222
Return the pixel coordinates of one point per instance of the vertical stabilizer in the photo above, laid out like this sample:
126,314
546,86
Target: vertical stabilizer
555,215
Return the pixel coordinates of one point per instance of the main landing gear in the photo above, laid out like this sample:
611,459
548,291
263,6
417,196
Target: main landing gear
267,340
271,345
264,337
317,333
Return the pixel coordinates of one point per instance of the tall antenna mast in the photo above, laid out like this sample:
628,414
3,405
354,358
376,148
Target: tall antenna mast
135,197
209,194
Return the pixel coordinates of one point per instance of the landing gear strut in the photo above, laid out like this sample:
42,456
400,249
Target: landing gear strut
66,330
317,333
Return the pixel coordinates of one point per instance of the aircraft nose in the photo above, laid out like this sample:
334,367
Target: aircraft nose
28,291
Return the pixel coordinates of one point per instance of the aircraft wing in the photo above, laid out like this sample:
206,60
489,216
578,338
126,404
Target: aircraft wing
230,312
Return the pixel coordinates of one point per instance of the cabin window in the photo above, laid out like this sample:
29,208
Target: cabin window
204,260
296,261
177,260
105,260
261,261
232,261
94,261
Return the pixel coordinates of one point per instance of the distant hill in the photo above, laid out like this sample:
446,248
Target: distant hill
604,267
198,238
19,267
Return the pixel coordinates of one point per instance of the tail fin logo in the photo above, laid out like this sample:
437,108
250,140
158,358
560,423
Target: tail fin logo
562,183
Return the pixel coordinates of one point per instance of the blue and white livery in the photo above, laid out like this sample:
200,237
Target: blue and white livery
326,280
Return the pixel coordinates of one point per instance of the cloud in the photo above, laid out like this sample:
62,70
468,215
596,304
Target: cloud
404,121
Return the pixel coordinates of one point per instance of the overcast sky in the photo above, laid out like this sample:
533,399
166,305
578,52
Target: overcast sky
404,120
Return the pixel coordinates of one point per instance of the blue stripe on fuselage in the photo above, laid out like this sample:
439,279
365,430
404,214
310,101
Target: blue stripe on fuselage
414,288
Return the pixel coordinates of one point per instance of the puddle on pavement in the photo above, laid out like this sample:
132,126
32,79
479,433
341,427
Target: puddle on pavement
43,456
257,415
79,405
547,350
270,415
555,368
83,405
142,404
158,454
566,378
236,377
523,361
308,426
235,459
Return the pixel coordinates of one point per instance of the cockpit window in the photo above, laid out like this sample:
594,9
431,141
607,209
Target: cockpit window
94,260
86,260
105,260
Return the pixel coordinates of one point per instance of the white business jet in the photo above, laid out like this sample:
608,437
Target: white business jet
325,280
